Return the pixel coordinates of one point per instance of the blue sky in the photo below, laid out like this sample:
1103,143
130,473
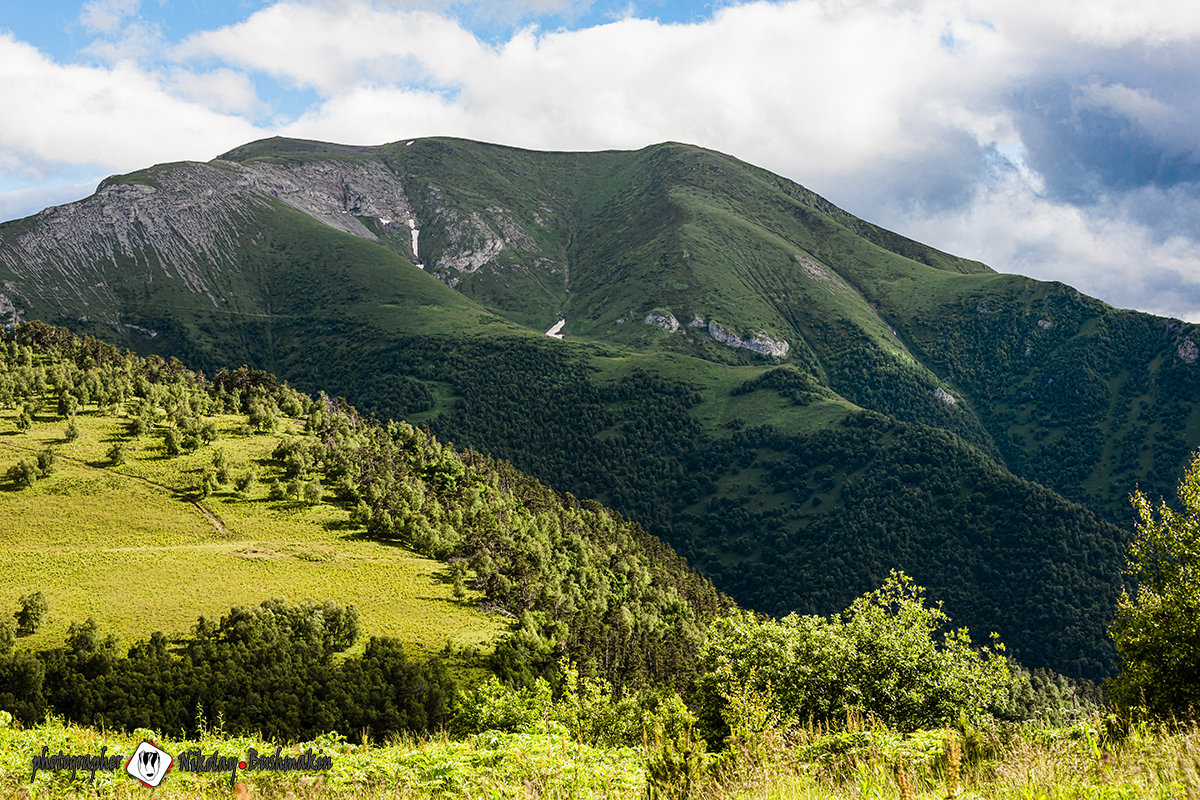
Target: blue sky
1056,139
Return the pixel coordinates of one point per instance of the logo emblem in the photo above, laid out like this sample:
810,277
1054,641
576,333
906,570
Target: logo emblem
149,763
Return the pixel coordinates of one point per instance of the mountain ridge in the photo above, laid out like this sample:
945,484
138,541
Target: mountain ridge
760,378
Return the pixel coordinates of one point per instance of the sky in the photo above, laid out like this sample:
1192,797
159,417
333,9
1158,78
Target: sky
1052,138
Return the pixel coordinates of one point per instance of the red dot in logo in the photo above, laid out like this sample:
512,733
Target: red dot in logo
241,765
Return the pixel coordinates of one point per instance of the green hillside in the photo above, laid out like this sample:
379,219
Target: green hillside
126,544
794,399
144,495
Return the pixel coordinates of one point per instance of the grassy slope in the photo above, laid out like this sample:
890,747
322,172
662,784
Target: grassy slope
125,545
655,423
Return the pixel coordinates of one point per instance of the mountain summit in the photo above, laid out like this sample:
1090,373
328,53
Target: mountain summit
797,400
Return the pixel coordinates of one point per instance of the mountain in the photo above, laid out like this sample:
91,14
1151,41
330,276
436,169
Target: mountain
793,398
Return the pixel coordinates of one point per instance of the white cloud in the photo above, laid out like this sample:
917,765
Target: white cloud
224,90
106,16
119,117
134,42
900,110
332,49
1100,249
23,202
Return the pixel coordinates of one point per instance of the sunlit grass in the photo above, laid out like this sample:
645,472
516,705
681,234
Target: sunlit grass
130,546
1026,763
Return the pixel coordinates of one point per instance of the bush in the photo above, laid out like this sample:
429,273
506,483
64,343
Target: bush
886,656
245,483
23,473
8,636
1155,631
45,462
32,612
313,491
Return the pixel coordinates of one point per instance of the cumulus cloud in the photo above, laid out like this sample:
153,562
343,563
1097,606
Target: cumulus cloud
1054,138
121,117
1101,249
106,16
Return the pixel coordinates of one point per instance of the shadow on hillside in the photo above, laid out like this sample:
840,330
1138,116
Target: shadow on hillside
344,525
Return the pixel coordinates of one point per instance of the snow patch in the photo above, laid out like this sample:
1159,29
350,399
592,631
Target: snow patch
556,330
415,232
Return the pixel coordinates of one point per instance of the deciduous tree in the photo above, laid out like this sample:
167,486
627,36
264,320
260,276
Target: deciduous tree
1157,628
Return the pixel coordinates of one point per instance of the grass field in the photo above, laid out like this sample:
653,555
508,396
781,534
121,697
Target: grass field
1025,762
131,546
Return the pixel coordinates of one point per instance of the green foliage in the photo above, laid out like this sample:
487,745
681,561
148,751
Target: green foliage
1052,389
246,482
116,454
23,473
1050,698
886,656
32,612
171,443
313,491
1157,630
71,433
45,462
585,707
267,668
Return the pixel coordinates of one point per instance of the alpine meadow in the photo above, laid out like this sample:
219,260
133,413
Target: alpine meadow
498,472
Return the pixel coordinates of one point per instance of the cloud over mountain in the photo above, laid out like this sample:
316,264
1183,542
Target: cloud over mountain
945,119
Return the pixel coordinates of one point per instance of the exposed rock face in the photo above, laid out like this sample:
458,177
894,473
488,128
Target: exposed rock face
10,314
1187,351
336,192
819,272
184,228
177,231
760,342
944,396
475,240
666,321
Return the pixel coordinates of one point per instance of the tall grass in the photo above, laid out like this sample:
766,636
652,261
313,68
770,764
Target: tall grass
1029,762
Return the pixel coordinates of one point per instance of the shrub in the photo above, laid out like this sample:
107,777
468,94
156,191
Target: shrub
23,473
887,656
32,612
1155,631
45,462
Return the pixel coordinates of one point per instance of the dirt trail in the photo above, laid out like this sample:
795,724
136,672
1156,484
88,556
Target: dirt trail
214,520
